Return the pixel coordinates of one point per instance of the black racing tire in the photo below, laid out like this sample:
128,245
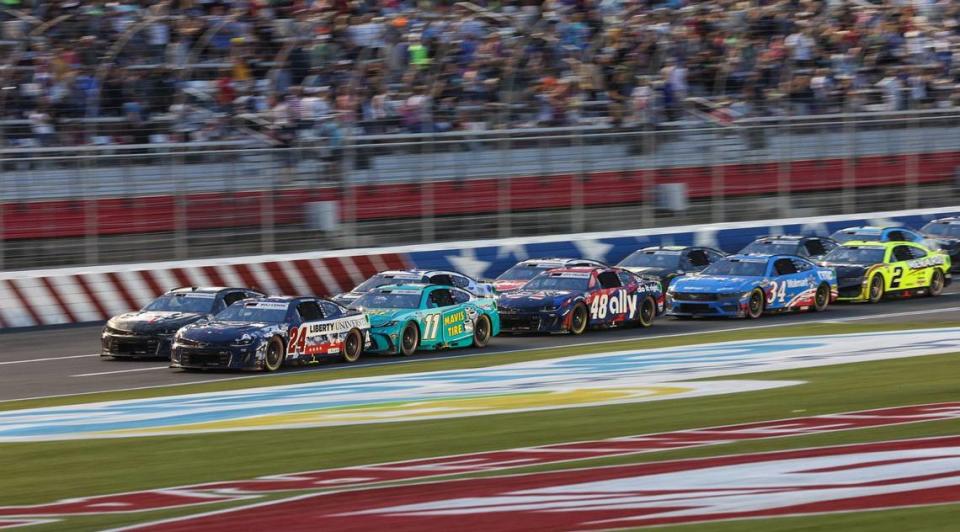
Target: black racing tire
822,298
647,312
352,346
273,358
482,330
756,304
937,282
579,318
875,290
409,339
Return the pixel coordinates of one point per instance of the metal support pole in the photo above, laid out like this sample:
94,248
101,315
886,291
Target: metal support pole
91,242
912,178
504,215
427,229
717,183
577,215
181,246
648,177
848,195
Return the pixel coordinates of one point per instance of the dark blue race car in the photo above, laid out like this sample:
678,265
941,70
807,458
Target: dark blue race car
945,234
575,299
748,285
148,333
265,333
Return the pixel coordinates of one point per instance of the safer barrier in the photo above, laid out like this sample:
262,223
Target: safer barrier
77,295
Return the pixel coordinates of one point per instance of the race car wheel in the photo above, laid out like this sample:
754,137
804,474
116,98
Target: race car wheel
481,331
409,340
822,299
936,284
876,289
648,309
352,346
755,305
578,319
274,355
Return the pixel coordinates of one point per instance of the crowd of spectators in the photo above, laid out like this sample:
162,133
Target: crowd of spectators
150,71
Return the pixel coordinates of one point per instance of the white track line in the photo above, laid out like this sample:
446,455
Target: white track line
7,363
429,359
151,368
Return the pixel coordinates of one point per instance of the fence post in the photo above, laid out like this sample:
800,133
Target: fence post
428,203
267,214
912,179
90,221
647,176
784,173
848,194
504,219
181,246
577,215
717,181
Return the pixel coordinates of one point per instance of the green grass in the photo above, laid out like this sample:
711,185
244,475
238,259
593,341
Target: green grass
45,471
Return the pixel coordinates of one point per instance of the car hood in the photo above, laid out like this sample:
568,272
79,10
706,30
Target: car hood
380,316
846,271
153,321
219,332
945,242
709,284
534,299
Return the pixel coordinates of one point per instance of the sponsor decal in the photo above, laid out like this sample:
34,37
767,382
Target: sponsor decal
199,295
418,469
615,304
268,305
577,381
404,291
871,476
572,275
926,262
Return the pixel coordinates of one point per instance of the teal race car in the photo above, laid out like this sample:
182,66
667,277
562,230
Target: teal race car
406,318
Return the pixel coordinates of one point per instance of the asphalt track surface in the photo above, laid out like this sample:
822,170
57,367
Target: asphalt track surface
63,361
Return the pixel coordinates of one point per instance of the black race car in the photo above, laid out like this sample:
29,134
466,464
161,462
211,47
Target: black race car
148,333
667,262
808,247
945,234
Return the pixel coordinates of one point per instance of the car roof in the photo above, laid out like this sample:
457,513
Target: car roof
787,238
871,229
205,289
417,287
950,220
668,248
577,269
751,257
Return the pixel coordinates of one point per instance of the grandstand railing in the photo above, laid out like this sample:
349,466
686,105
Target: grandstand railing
113,203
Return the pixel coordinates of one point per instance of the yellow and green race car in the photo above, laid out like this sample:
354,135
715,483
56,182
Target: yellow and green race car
870,271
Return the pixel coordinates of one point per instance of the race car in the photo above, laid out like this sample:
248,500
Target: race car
575,299
148,332
868,271
408,317
440,277
750,285
666,262
267,332
523,271
810,247
877,234
945,234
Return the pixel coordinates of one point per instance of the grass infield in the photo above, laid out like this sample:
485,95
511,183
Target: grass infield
40,472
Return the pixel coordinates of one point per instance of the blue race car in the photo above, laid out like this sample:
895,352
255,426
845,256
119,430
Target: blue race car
575,299
877,234
266,333
748,285
945,234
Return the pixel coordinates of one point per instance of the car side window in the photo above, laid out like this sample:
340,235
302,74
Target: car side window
828,245
918,253
815,248
801,265
460,281
233,297
608,279
625,278
441,279
441,298
330,310
309,311
901,253
698,258
459,296
896,236
714,256
784,267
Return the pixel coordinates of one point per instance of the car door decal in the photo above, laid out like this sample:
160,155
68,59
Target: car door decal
454,324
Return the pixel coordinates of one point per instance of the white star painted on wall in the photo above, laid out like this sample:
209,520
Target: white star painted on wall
517,251
706,238
593,249
467,263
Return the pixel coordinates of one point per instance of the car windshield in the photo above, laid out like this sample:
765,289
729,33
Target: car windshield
200,303
770,248
563,281
379,280
941,229
523,272
652,259
843,236
389,299
261,312
845,255
737,268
